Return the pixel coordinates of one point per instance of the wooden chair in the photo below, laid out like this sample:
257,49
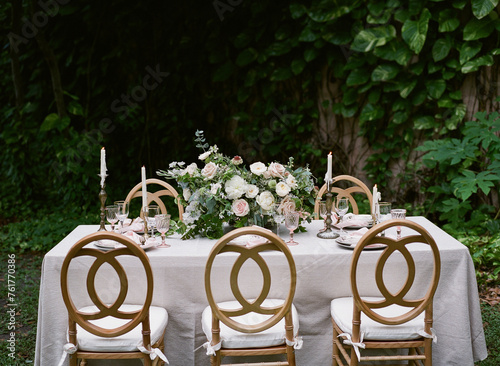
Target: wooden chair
125,328
355,186
156,196
250,327
394,320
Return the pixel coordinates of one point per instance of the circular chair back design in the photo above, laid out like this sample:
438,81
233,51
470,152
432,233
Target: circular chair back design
416,306
156,196
357,187
273,243
83,318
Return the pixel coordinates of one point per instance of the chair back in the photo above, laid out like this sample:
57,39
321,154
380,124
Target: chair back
354,186
156,196
128,248
273,243
415,304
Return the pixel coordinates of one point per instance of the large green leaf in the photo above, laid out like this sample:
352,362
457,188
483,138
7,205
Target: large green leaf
280,74
475,64
441,49
246,56
223,72
482,8
50,122
358,77
448,21
371,112
307,35
469,50
297,66
385,72
367,39
478,28
394,51
435,88
415,31
424,122
407,87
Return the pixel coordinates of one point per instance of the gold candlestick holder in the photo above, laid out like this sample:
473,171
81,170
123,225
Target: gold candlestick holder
102,197
146,229
328,233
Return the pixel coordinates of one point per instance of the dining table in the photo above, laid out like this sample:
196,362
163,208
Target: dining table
323,273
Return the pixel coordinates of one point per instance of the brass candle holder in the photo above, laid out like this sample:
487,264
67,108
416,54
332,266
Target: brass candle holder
102,197
328,233
146,229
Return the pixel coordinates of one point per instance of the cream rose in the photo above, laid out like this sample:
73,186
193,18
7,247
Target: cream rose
276,169
287,205
291,181
282,189
235,187
240,207
209,170
186,193
191,169
252,191
205,155
265,200
258,168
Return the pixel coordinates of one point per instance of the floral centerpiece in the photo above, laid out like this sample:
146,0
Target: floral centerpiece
224,191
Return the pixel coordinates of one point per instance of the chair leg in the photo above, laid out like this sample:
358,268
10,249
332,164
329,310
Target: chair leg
335,349
290,355
83,362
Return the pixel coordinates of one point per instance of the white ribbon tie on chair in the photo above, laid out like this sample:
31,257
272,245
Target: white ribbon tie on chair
210,349
153,353
355,345
424,334
296,343
68,349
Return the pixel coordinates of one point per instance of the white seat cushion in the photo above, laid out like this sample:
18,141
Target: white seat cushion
231,338
158,319
341,311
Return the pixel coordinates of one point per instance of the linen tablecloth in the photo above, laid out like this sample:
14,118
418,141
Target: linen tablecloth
322,274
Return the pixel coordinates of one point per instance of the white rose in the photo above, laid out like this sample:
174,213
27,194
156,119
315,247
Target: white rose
258,168
252,191
291,181
235,187
240,207
191,169
186,193
282,189
214,188
265,200
205,155
209,170
276,169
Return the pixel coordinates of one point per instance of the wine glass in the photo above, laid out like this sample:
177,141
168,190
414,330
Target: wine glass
111,212
398,214
162,223
278,218
122,211
341,207
149,215
384,213
291,223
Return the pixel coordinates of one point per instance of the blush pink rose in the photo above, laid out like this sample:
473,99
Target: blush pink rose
276,169
209,170
240,207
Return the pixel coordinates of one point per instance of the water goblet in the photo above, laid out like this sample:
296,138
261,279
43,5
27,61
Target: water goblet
322,213
341,207
122,211
149,215
398,214
384,213
111,212
162,223
278,218
292,223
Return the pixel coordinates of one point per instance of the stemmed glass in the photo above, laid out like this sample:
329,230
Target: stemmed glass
162,222
341,207
149,214
399,214
278,218
291,223
384,213
111,212
322,213
122,211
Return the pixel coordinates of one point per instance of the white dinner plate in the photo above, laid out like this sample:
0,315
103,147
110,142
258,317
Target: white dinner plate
249,240
350,241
